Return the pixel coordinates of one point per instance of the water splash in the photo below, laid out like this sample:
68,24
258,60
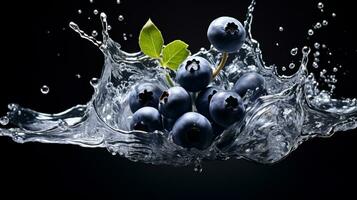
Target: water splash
293,111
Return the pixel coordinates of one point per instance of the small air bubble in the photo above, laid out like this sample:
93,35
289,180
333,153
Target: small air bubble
121,18
310,32
291,65
315,65
4,120
317,45
281,29
94,33
294,51
317,25
325,22
45,89
95,12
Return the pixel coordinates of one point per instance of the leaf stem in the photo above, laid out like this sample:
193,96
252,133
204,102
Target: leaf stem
220,65
169,80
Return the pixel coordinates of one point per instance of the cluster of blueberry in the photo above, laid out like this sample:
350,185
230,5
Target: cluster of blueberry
195,121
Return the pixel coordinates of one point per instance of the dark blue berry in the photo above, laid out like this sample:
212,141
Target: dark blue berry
226,34
146,119
226,108
203,99
193,130
174,102
194,74
145,94
250,81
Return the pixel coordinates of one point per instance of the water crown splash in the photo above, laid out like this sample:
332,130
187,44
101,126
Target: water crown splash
293,111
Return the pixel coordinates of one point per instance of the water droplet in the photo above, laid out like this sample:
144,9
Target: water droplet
330,53
317,25
94,82
121,18
4,120
95,12
315,65
89,18
58,54
91,1
277,44
317,45
317,54
294,51
118,1
79,11
109,27
45,89
281,29
283,68
291,65
335,69
320,5
124,36
333,14
324,46
310,32
94,33
325,22
78,76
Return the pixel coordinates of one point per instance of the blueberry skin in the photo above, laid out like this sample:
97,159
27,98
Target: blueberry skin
194,74
145,94
250,81
146,119
226,34
174,102
168,123
203,100
192,130
226,108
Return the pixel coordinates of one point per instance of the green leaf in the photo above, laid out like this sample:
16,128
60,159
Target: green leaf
151,40
174,54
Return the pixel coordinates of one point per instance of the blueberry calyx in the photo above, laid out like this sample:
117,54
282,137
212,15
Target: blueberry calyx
231,103
145,97
192,65
211,95
231,28
164,97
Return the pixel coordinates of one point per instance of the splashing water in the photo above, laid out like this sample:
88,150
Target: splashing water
294,111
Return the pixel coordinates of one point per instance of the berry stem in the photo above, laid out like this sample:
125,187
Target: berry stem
169,80
220,65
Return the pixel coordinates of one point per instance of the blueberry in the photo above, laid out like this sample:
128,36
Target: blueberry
146,119
226,108
194,74
203,99
250,81
145,94
192,130
174,102
217,129
226,34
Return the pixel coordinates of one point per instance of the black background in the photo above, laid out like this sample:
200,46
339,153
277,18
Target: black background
320,168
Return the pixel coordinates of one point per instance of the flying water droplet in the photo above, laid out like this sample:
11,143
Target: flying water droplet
94,82
109,27
45,89
317,25
91,1
121,18
281,29
283,68
94,33
78,76
95,12
277,44
325,22
294,51
315,65
291,65
320,5
4,120
79,11
335,69
310,32
118,2
333,14
317,45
